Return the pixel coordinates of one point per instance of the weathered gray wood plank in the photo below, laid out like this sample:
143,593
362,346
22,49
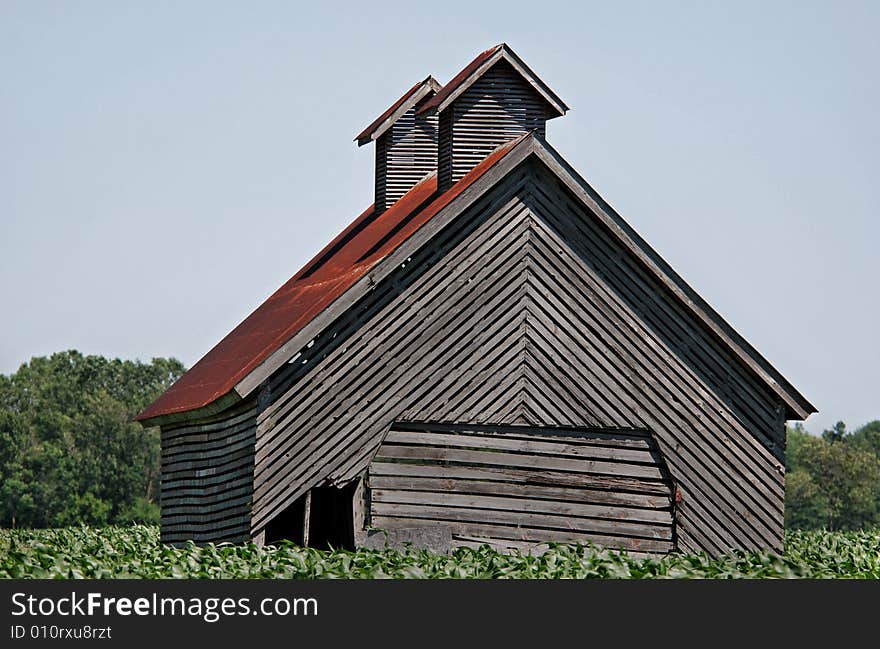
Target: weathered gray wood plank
528,476
441,485
542,462
383,498
570,447
681,402
339,383
526,522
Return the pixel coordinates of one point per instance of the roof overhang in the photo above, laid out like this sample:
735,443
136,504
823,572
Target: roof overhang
398,109
796,405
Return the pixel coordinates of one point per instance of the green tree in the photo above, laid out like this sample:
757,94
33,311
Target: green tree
805,504
836,433
868,437
69,449
832,481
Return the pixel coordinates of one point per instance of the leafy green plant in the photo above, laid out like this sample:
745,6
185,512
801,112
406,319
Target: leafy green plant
135,552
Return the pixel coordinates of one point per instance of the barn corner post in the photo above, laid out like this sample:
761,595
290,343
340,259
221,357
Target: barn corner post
488,354
779,447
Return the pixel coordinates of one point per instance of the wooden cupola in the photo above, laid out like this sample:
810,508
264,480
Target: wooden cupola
406,144
493,100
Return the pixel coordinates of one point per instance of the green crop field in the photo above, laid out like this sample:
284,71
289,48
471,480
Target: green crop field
135,552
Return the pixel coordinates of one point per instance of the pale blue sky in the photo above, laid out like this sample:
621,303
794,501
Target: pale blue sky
164,166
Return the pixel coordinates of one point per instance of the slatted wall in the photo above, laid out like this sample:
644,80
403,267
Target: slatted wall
405,154
207,477
499,107
525,311
524,484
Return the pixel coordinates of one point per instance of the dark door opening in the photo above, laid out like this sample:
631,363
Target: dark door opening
321,518
289,525
331,519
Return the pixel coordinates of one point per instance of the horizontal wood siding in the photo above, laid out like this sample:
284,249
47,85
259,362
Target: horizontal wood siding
499,107
207,477
405,154
524,484
523,311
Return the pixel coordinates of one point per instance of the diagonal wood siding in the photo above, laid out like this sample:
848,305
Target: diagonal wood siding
525,311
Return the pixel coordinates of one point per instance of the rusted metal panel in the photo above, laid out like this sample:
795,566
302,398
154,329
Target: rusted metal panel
345,260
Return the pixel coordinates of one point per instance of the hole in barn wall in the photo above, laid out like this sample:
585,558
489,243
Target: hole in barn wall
321,518
289,525
331,520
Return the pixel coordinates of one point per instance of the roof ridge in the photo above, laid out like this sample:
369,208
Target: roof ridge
459,78
410,98
478,66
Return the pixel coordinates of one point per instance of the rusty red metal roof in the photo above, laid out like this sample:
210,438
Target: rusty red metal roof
367,134
459,79
357,249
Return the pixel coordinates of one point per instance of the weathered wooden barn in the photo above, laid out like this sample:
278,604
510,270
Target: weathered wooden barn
489,353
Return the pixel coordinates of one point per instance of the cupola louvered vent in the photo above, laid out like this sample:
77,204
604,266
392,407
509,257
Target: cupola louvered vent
498,108
406,144
494,100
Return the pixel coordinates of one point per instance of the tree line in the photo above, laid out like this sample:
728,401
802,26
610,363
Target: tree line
70,451
833,480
